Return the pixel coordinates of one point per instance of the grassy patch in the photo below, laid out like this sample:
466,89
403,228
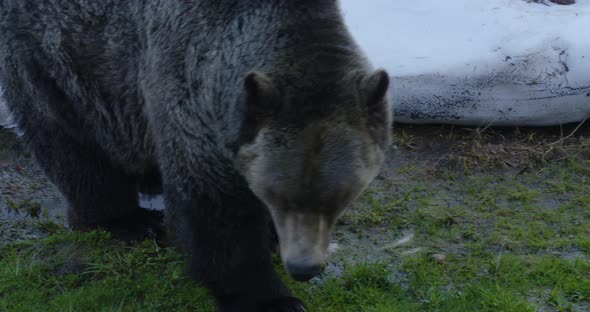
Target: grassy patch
460,220
509,243
90,272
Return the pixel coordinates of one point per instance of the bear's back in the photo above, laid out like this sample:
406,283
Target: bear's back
83,41
89,52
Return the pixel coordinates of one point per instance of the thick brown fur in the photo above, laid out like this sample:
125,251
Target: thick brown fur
237,110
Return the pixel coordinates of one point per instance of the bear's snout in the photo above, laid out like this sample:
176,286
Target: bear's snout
303,238
302,271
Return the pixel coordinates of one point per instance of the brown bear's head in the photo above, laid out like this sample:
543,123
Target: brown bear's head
308,151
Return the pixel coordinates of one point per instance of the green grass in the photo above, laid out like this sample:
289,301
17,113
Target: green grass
40,276
486,238
513,242
90,272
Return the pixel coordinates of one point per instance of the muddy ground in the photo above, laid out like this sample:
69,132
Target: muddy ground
27,198
449,193
420,161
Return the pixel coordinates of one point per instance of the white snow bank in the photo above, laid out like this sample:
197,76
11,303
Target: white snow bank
474,62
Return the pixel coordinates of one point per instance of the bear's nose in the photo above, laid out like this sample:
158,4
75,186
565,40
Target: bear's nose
303,272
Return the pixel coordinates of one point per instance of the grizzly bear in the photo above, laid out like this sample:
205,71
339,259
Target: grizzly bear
240,111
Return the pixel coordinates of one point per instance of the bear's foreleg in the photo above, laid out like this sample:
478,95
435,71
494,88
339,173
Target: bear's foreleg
99,194
228,241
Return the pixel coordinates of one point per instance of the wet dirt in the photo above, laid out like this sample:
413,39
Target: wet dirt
27,199
416,164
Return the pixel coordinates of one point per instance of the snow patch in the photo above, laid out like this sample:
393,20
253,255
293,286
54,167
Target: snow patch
476,62
408,237
152,202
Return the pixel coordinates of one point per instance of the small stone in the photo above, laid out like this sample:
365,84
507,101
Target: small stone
440,258
333,247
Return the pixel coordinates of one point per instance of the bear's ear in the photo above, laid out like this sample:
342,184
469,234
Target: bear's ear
262,103
378,107
376,86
